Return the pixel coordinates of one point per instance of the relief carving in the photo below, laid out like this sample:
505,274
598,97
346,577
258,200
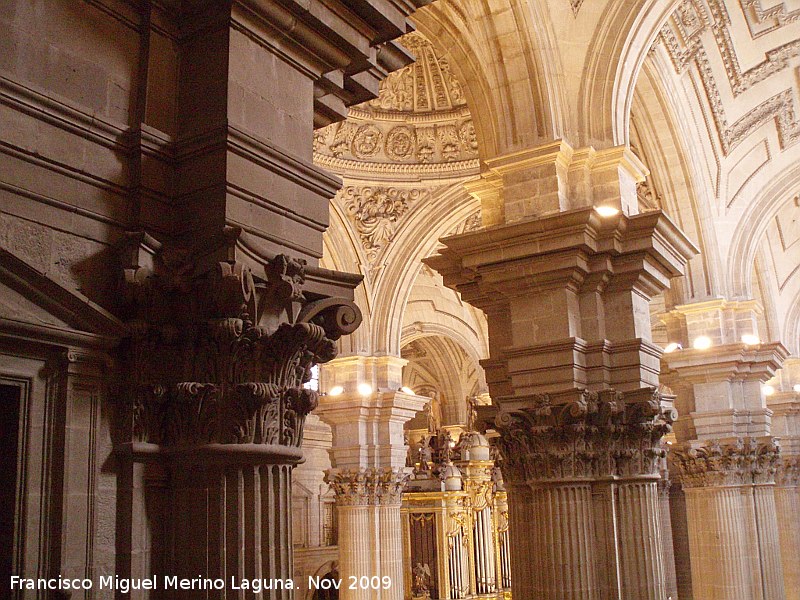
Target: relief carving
601,434
219,355
401,143
376,213
738,461
369,486
367,141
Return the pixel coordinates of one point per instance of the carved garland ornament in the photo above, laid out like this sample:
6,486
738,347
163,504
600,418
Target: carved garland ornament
369,486
221,356
735,462
599,435
788,473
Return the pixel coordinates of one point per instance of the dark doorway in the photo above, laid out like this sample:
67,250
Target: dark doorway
329,594
10,396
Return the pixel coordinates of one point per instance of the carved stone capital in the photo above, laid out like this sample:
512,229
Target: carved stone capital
788,472
367,487
219,354
736,461
598,435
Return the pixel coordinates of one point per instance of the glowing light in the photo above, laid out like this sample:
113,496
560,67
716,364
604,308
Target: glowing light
750,339
606,211
672,346
702,343
796,387
364,389
336,390
407,390
769,390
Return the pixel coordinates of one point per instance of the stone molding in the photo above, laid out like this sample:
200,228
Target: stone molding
371,486
217,354
598,435
727,462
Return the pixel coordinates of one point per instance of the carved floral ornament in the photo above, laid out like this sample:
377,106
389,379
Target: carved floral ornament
601,434
418,126
219,355
376,213
738,461
368,486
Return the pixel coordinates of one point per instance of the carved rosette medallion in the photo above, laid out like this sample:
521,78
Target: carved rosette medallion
367,141
601,434
220,355
401,143
737,461
367,487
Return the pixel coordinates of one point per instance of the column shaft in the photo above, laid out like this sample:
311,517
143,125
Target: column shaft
559,524
769,548
787,509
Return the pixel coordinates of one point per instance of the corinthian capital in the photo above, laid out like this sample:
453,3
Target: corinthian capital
367,486
597,434
735,461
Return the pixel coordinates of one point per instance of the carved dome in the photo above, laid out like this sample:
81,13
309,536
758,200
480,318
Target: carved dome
419,126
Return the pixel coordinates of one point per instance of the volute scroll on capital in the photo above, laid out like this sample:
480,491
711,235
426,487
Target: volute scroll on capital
217,353
605,434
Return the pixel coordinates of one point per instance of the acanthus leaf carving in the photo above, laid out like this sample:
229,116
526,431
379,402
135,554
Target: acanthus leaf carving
737,461
599,434
220,356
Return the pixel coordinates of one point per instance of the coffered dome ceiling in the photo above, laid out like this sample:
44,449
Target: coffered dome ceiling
419,127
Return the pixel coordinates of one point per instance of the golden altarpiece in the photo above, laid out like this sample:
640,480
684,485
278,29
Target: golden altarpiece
455,520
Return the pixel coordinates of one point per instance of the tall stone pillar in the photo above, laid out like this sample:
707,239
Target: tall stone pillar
565,275
726,457
785,406
213,394
226,307
367,414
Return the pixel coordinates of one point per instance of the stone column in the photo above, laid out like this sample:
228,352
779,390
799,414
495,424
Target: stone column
367,414
564,276
213,394
733,532
785,404
724,428
370,535
585,495
664,486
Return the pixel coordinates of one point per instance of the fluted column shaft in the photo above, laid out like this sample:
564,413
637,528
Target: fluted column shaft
561,531
787,509
670,575
232,521
585,515
731,512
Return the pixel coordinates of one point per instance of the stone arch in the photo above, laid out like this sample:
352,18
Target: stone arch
512,88
619,46
417,240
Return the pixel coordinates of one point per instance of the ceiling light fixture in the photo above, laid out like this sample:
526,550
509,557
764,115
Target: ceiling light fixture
336,390
672,346
364,389
702,342
606,210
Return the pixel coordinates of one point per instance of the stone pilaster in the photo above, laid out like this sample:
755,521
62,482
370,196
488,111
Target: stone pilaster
369,453
733,530
370,535
785,405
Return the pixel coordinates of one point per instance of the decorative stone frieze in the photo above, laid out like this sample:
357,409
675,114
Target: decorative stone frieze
372,486
739,461
598,435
